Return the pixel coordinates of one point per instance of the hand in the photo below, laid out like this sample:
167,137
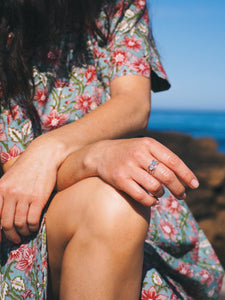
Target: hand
25,189
124,165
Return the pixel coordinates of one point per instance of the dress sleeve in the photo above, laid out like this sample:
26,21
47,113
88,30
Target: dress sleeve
132,48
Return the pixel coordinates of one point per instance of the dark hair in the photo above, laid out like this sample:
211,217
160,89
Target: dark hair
27,24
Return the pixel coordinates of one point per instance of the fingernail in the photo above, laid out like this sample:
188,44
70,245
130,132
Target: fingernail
156,201
183,196
195,183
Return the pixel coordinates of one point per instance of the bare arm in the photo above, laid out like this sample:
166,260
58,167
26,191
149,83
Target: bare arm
124,163
126,113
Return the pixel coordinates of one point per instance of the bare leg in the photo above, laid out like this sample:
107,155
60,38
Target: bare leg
95,241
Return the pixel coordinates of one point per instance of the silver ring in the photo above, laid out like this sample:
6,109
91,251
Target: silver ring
152,166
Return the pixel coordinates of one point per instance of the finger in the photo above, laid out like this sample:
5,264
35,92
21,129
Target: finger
173,162
7,222
135,191
34,215
20,220
149,183
169,179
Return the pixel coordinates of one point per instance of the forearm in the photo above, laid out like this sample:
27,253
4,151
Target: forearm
123,163
74,168
124,114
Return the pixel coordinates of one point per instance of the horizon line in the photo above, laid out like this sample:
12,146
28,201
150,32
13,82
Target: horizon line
189,109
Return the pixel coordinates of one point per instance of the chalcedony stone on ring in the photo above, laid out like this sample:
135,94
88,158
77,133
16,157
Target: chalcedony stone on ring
152,166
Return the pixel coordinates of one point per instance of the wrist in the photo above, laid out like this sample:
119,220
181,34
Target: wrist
51,148
90,160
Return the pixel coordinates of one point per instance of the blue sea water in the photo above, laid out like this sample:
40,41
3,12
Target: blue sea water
195,123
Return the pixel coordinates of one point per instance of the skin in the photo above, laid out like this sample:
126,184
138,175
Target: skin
126,112
100,204
96,250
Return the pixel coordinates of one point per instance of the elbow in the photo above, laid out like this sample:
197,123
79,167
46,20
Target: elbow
144,115
145,120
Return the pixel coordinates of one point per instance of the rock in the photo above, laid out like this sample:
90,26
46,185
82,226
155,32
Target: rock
200,203
205,145
200,196
208,226
212,177
220,200
201,211
220,250
173,140
220,224
218,240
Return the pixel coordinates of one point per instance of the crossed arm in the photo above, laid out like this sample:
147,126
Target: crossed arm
87,148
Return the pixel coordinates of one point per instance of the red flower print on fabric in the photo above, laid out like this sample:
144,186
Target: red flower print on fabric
119,57
41,96
60,84
98,54
16,112
13,152
2,133
90,74
146,17
195,251
152,294
131,43
118,9
185,269
44,264
15,255
206,277
160,68
173,297
173,206
26,262
83,103
54,119
214,257
141,66
220,281
15,115
140,4
27,294
194,226
168,230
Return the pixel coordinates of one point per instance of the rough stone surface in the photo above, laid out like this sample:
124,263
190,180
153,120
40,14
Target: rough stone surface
213,176
207,203
208,226
220,200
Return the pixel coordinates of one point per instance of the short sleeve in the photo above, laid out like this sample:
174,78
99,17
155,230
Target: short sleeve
132,49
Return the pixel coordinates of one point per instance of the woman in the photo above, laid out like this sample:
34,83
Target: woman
75,184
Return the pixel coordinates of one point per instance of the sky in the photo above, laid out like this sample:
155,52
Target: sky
190,36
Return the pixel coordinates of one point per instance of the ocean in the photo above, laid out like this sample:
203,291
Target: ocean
194,123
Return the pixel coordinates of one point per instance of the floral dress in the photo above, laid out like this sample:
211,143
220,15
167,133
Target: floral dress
179,262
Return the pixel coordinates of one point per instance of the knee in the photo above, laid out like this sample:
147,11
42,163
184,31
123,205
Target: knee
116,219
98,212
